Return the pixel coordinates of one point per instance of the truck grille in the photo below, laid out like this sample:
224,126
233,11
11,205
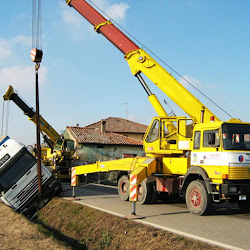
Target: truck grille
31,190
239,173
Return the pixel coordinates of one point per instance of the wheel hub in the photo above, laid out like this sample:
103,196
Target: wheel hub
195,198
124,187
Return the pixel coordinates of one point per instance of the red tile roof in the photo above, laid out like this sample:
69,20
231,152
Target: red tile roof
94,135
120,125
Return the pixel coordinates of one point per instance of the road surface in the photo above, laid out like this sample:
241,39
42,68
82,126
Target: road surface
226,227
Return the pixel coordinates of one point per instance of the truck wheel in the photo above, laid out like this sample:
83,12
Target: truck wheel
155,194
123,188
145,192
197,198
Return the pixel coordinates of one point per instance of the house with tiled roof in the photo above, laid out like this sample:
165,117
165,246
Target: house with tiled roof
97,144
122,126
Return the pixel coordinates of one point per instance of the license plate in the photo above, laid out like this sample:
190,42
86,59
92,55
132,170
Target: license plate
242,197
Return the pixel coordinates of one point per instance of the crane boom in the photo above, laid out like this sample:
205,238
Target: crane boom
103,26
141,62
31,113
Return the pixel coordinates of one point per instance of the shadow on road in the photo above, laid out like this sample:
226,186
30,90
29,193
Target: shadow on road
174,213
89,190
229,209
107,192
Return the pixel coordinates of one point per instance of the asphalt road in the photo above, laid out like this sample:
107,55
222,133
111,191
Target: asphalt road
226,227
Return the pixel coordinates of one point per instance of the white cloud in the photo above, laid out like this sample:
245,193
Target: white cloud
196,83
21,76
79,24
5,49
21,39
117,11
9,46
69,16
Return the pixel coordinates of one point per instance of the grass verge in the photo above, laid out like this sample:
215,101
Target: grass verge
81,227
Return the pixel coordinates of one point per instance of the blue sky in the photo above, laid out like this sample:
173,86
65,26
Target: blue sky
83,78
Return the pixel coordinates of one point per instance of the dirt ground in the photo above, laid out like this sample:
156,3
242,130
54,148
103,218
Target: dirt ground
63,224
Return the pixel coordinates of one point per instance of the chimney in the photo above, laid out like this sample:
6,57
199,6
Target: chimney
103,126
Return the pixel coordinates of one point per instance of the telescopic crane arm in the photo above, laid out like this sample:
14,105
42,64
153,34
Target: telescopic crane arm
141,62
31,113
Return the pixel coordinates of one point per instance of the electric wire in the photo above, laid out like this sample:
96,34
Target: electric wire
135,39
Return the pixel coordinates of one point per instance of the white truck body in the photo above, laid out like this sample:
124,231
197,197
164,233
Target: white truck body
19,179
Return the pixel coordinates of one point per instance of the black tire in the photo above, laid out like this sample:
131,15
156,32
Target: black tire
155,195
123,188
197,198
145,192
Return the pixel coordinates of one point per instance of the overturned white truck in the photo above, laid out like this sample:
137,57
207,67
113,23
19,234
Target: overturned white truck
19,179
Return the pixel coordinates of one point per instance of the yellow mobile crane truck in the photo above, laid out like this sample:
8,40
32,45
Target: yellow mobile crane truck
204,159
59,153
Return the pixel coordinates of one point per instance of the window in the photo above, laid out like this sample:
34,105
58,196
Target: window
211,138
15,171
236,136
197,139
185,128
153,133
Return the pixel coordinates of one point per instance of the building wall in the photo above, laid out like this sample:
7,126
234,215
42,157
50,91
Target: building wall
90,153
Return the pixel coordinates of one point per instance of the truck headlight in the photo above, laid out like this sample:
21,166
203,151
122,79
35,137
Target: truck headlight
232,189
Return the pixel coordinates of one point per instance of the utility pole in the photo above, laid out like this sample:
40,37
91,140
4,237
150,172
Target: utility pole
36,56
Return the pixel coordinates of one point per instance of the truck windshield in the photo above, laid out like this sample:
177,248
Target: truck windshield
236,136
16,170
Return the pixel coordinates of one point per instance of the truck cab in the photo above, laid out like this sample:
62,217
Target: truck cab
222,149
19,179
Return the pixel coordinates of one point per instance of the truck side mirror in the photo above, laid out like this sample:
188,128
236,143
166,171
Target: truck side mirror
211,138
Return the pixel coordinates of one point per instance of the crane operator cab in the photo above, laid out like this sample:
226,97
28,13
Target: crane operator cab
160,138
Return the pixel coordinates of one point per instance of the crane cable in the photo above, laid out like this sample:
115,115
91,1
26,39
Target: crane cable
36,24
134,38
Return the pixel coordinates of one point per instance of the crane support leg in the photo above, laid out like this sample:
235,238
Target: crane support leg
136,177
146,168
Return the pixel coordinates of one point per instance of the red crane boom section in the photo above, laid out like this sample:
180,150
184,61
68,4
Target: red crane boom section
108,30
